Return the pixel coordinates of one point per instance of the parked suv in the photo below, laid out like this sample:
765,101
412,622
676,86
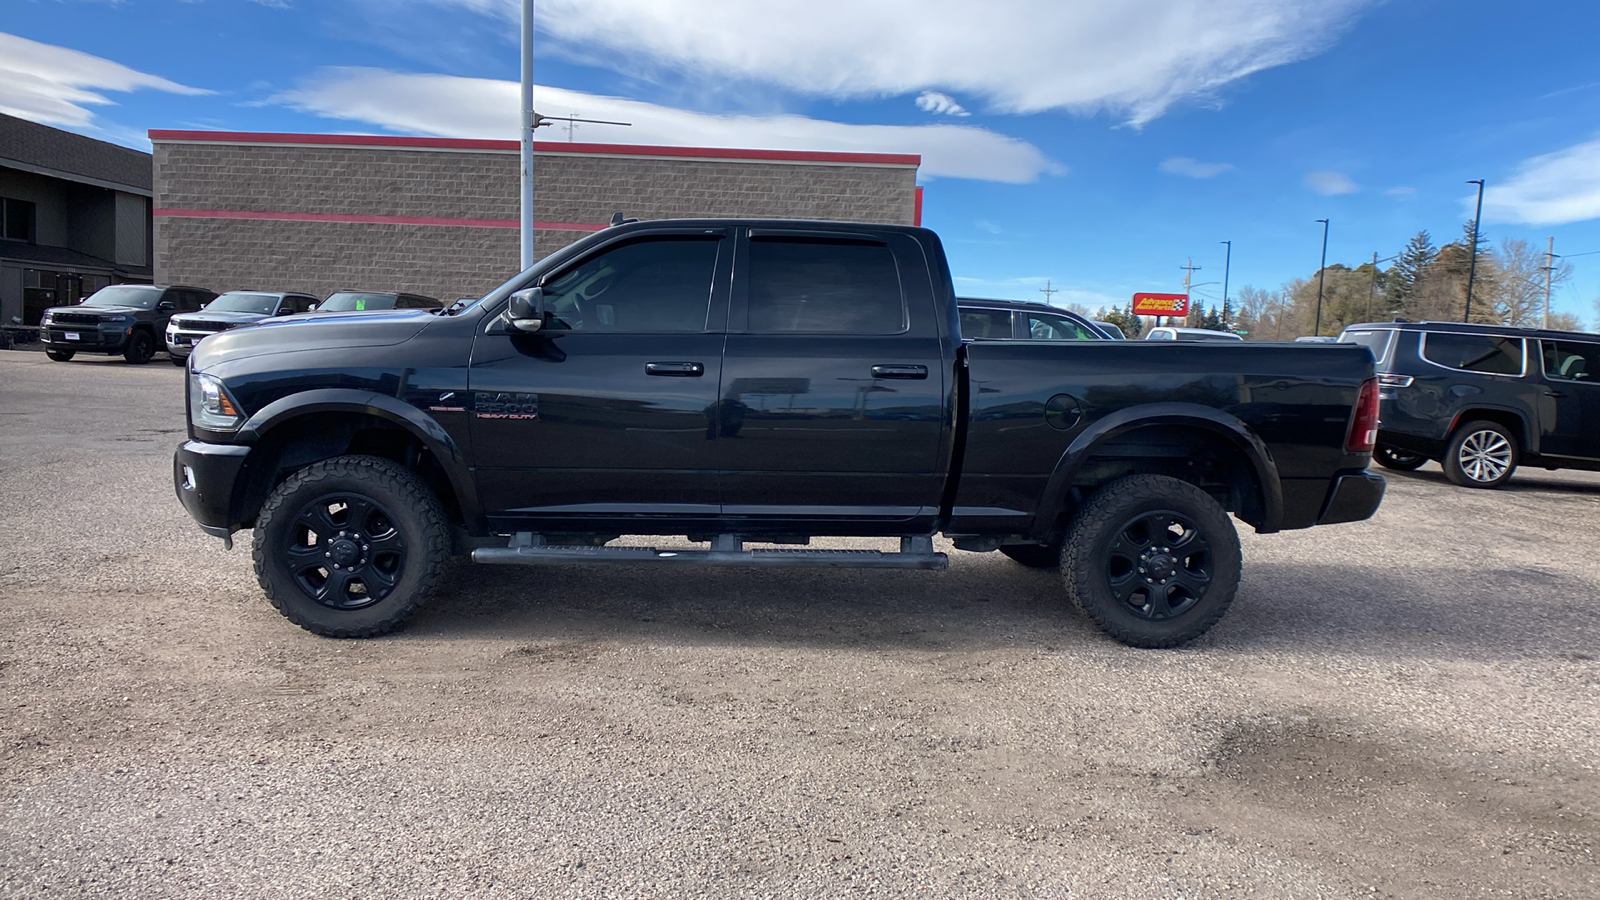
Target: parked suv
1175,333
123,318
230,310
993,319
367,301
1483,399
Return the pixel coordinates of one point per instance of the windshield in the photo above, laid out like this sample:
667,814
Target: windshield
142,296
1376,340
245,302
355,301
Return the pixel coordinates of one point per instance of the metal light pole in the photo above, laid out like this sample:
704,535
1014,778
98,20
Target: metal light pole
1472,258
1549,276
1317,329
528,120
1227,263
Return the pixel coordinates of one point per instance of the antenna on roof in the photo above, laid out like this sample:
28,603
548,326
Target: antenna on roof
618,219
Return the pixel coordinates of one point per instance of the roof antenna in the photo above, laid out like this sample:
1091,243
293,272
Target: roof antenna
617,219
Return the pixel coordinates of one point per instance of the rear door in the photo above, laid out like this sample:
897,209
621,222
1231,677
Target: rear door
833,388
1569,408
607,411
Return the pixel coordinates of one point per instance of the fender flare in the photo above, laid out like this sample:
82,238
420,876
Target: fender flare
1528,439
434,438
1231,428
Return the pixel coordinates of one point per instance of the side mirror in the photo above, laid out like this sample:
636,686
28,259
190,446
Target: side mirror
166,304
311,308
525,311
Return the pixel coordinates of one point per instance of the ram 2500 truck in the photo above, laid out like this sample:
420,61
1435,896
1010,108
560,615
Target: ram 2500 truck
743,381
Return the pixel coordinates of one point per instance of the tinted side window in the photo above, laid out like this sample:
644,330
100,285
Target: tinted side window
187,301
1376,340
1474,352
653,284
985,323
824,287
1045,327
1572,361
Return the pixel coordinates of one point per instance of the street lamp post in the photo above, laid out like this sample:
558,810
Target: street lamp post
1472,258
529,122
1317,328
1227,263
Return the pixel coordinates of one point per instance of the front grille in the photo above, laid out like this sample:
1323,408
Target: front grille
66,318
203,325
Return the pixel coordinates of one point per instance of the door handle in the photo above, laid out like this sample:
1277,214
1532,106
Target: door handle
679,369
1554,394
914,372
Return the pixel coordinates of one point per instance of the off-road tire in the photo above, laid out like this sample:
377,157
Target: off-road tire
1481,454
398,497
60,355
141,347
1099,558
1034,556
1398,460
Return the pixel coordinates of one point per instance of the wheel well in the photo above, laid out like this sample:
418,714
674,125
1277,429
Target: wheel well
1203,458
1508,420
314,437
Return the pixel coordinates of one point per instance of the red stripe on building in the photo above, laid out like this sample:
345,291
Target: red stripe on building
431,143
161,212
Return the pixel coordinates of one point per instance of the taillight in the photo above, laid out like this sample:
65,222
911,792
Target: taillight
1364,421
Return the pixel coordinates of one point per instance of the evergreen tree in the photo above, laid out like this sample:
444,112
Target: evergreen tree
1402,279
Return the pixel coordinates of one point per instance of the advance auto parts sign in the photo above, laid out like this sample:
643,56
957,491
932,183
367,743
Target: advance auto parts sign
1161,304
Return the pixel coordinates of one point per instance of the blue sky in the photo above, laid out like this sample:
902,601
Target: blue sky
1096,145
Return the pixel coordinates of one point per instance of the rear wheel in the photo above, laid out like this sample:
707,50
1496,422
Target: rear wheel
141,346
60,355
351,546
1481,455
1398,460
1154,561
1034,556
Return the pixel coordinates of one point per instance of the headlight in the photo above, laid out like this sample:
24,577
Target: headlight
44,320
210,407
115,321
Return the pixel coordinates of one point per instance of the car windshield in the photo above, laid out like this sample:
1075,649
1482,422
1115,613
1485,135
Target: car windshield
141,296
245,302
355,301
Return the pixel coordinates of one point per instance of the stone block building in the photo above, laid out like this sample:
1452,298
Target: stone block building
439,216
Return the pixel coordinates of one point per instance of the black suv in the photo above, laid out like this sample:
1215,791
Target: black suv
230,310
124,318
1482,399
993,319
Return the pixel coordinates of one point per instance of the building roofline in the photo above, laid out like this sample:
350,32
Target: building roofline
65,175
396,142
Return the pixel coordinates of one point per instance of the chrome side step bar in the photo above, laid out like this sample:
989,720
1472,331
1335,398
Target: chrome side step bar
529,549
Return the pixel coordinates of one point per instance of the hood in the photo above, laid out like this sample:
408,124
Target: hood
232,318
97,310
311,331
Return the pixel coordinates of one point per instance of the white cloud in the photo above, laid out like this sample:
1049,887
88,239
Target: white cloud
56,86
1552,189
1193,168
940,104
1402,192
1132,59
482,108
1329,184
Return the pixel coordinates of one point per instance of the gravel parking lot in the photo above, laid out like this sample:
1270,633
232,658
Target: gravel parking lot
1406,707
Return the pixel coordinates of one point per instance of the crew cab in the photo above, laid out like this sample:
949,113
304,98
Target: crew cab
750,381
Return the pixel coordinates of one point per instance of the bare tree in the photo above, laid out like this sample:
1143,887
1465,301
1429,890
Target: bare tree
1520,291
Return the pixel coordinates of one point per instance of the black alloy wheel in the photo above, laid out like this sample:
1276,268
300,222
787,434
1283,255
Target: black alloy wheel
1481,455
60,355
351,546
1396,459
141,347
1153,560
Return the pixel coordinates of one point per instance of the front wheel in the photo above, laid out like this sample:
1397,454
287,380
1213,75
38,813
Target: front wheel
1398,460
60,355
141,346
1481,455
1154,561
351,546
176,359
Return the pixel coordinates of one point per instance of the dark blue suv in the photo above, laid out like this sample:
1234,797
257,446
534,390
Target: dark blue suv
1483,399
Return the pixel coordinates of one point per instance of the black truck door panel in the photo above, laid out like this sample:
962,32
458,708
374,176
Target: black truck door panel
1569,405
607,411
833,389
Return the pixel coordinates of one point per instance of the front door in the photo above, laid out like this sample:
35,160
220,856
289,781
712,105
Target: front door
606,413
1569,408
834,383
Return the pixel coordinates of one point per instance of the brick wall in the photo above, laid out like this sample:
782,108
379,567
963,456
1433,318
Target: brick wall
449,261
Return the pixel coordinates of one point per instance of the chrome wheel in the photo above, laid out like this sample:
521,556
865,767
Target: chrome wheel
1485,456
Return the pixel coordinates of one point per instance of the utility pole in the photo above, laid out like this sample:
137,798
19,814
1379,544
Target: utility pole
1047,290
1472,259
1227,264
1317,328
1549,275
1188,273
1372,288
529,118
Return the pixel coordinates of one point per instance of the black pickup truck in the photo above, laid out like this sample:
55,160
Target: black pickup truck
757,382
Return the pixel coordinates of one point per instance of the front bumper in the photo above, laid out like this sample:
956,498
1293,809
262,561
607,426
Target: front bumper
1353,497
89,337
206,477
